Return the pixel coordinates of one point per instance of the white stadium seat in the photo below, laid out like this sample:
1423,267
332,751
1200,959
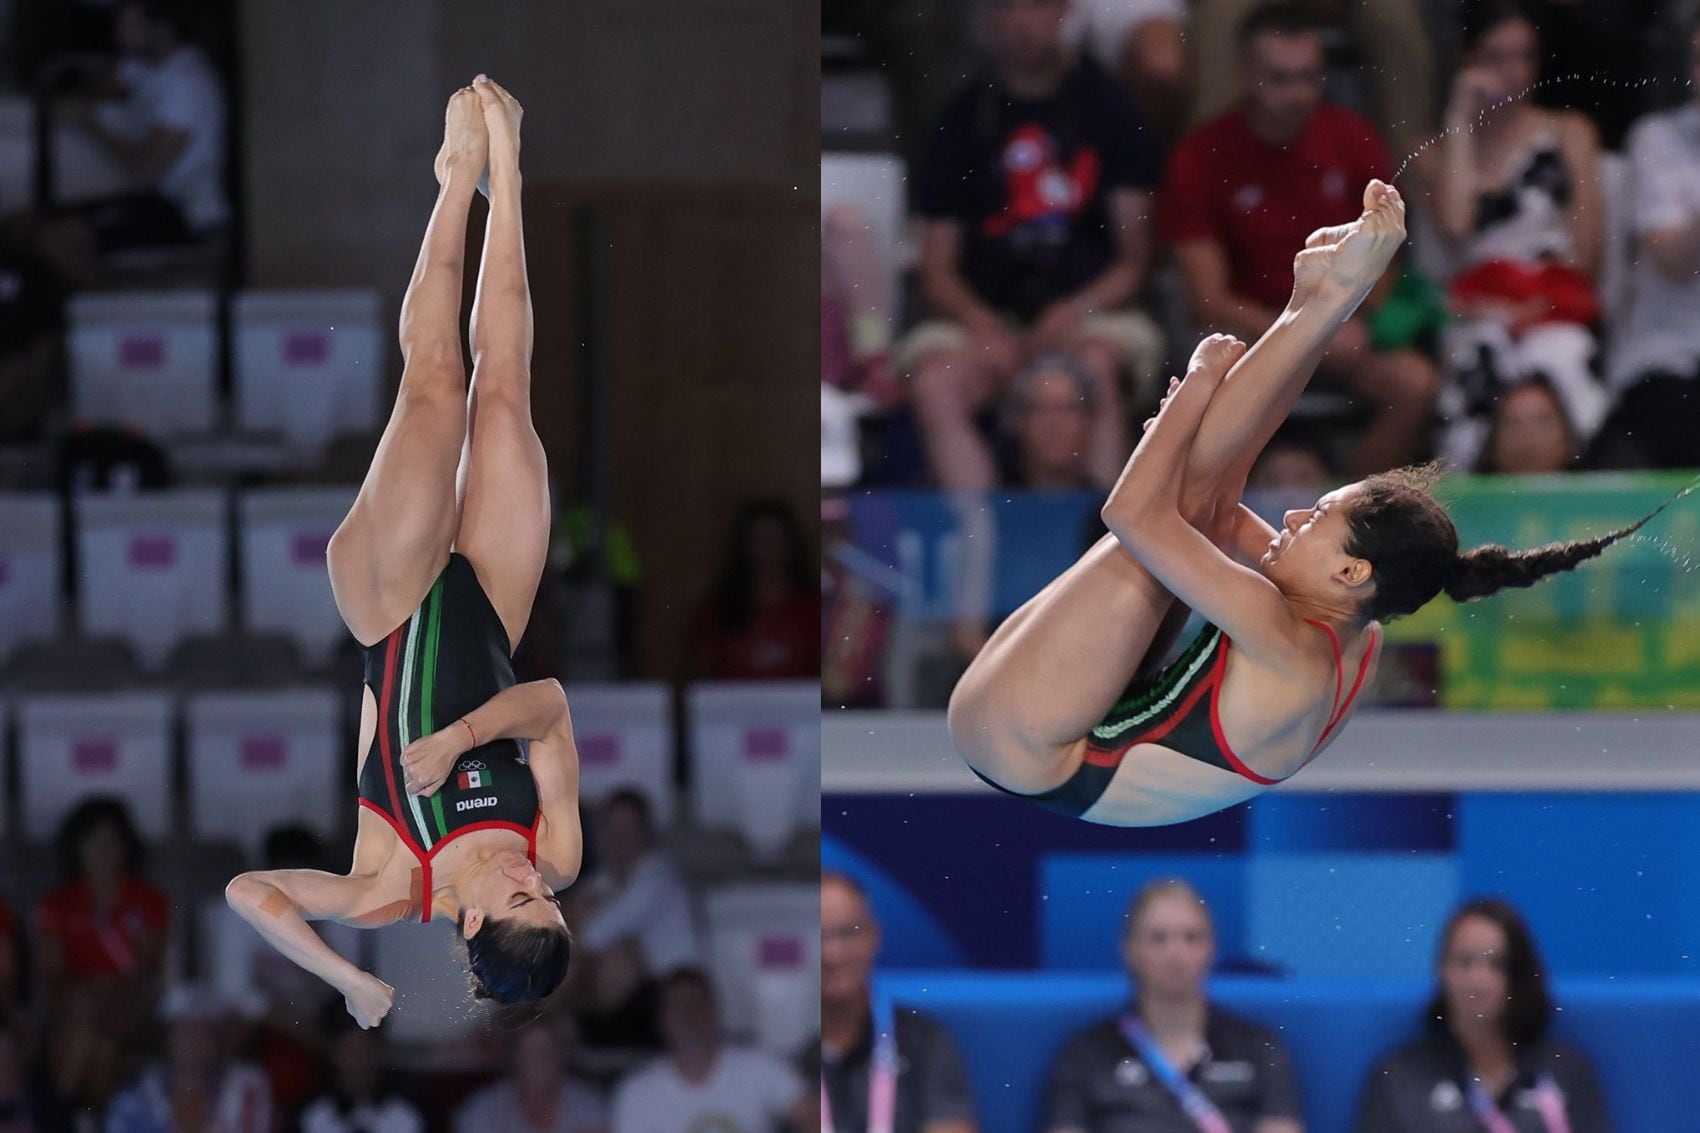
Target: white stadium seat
281,538
755,759
309,365
152,567
148,360
624,735
72,748
30,569
764,957
262,759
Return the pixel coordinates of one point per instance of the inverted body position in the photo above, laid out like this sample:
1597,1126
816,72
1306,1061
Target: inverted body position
468,782
1060,707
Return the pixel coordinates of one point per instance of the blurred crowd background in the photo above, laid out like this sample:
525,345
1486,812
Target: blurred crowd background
208,214
1031,211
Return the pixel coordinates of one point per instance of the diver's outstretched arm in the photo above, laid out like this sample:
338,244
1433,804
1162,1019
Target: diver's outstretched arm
278,904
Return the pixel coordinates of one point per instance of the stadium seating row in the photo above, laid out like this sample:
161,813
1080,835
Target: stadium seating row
255,760
306,366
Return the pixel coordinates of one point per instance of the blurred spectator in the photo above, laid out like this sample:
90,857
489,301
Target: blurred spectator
702,1081
1293,461
1050,418
537,1096
107,923
1531,433
100,950
635,924
9,961
857,311
197,1087
287,999
1516,190
1171,1057
20,1111
1143,42
762,623
856,616
360,1099
1484,1050
1242,193
1034,193
167,132
932,1094
1655,358
32,324
1593,52
1390,36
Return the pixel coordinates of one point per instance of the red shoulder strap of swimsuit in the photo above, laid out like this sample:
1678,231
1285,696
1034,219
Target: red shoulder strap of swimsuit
1339,665
1363,670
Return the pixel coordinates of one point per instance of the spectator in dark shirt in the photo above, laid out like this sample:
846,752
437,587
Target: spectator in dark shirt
1244,189
1170,1052
1034,192
1485,1058
762,623
931,1094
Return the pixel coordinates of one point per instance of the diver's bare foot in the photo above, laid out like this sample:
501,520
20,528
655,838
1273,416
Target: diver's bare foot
466,141
502,114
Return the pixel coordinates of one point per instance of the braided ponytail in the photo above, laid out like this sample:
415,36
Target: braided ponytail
1490,569
1410,541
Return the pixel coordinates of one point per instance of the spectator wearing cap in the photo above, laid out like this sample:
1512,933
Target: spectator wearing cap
361,1098
197,1085
702,1081
635,923
1171,1056
931,1091
536,1094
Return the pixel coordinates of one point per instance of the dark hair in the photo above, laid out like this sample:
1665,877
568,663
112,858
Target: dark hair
293,846
1409,540
1486,462
689,974
1276,19
637,801
170,14
1484,16
89,816
736,589
1528,1009
512,962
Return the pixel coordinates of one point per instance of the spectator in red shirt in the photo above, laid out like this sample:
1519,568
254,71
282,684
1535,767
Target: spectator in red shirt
100,948
1242,190
762,622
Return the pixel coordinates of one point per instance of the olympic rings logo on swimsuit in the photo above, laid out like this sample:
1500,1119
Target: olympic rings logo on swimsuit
470,765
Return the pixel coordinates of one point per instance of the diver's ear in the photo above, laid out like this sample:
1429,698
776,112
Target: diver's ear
1356,572
471,921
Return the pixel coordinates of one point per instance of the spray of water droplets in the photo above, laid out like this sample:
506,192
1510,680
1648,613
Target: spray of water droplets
1482,116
